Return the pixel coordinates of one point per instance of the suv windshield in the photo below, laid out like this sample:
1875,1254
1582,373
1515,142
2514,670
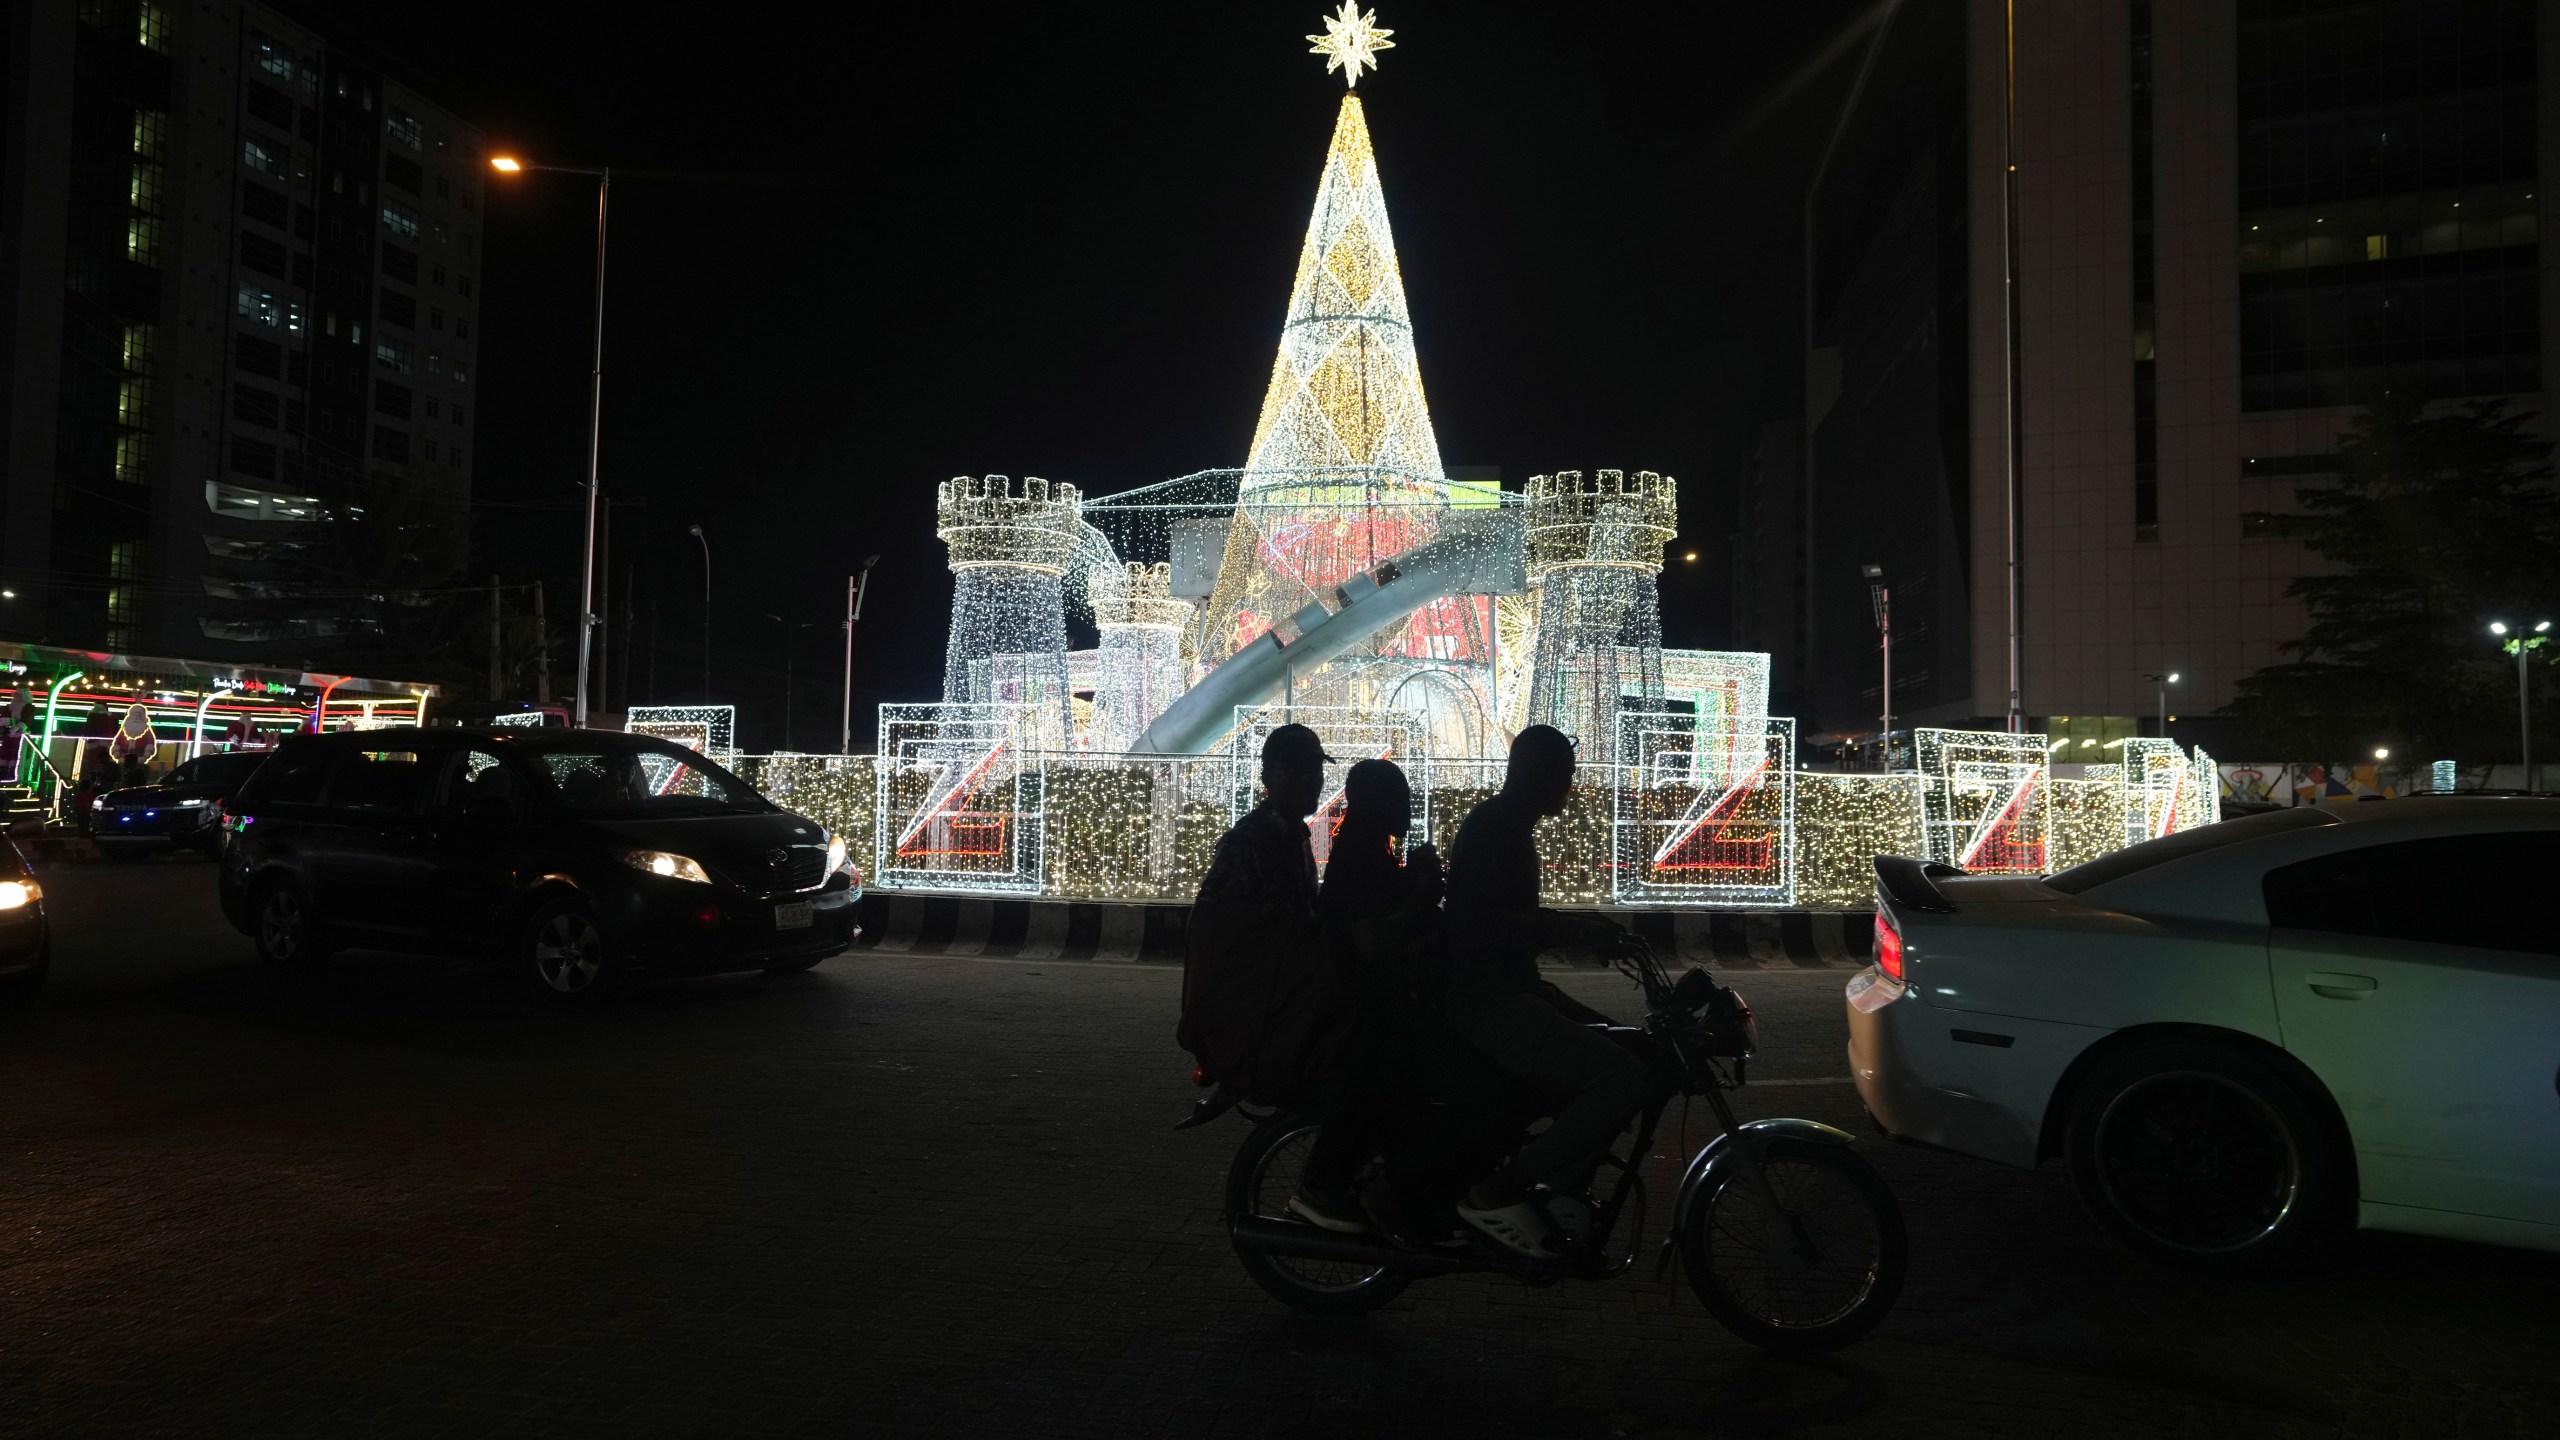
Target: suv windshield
639,777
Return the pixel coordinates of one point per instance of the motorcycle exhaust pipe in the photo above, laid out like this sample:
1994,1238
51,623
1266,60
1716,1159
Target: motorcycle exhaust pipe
1301,1241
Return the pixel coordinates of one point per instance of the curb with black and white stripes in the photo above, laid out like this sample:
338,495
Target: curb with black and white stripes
1153,934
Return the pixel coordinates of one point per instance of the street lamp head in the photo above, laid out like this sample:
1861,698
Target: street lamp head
2381,752
694,531
2541,626
870,560
505,164
2172,677
2497,627
1872,572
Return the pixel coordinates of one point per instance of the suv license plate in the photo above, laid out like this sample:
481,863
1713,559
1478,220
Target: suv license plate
793,915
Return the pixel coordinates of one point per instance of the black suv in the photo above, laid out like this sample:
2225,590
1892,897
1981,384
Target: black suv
575,856
183,808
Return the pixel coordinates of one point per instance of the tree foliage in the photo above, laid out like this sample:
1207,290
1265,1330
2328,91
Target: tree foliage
2437,524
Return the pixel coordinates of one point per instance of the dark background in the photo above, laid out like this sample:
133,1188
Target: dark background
1057,239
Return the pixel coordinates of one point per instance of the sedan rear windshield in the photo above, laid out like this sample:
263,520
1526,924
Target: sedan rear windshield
2134,859
226,769
642,779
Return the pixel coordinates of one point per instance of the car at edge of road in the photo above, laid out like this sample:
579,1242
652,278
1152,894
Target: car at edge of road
26,936
183,809
575,857
2245,1037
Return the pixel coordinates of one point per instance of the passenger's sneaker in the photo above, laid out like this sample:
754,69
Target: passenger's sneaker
1407,1227
1333,1210
1516,1227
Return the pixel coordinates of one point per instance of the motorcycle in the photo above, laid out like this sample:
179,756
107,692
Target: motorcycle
1787,1236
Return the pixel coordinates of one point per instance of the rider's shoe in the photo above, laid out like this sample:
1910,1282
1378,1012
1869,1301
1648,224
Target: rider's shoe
1335,1210
1516,1227
1405,1226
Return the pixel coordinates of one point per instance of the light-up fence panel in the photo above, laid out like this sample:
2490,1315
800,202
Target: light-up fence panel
711,729
1986,799
1842,823
962,804
1703,815
1349,736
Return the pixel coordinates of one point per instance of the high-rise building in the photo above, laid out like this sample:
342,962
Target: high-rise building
239,273
2236,221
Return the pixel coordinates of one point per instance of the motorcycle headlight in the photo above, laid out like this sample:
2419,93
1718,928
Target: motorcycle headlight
667,864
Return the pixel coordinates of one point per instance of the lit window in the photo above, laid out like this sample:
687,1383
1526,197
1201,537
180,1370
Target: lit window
273,59
133,457
402,128
124,560
142,241
258,157
151,25
150,133
399,219
240,502
258,305
394,355
435,364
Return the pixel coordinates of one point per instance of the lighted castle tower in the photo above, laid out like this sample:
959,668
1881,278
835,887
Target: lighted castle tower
1010,543
1139,669
1595,555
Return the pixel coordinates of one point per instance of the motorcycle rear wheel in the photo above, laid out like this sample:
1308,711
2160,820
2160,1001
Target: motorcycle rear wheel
1786,1302
1265,1174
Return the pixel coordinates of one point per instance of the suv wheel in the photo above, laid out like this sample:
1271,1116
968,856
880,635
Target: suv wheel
568,950
289,939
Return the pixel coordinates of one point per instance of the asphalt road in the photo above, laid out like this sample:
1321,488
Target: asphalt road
919,1195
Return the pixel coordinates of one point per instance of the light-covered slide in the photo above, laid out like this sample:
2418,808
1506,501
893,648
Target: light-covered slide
1474,554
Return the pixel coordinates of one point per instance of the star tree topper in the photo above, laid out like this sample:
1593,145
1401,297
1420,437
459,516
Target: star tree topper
1351,40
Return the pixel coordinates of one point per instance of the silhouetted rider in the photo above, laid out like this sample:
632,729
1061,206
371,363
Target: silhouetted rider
1497,999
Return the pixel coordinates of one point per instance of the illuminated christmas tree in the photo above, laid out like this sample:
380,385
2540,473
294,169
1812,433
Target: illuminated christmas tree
1344,470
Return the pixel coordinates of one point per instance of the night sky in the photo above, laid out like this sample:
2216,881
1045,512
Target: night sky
1057,240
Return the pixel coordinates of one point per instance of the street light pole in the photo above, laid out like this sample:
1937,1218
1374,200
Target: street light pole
696,532
1881,597
587,618
853,592
2517,646
2160,692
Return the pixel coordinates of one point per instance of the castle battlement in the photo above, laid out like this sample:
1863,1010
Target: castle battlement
997,520
1611,519
1144,597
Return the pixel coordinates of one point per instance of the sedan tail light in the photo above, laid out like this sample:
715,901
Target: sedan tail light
1888,947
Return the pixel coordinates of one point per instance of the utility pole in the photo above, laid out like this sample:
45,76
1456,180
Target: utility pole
604,607
497,642
2012,434
854,586
696,532
542,652
1881,597
630,631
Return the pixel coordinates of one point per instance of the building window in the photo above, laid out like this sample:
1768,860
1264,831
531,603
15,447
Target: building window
2387,236
470,202
461,329
253,406
435,275
269,107
259,305
402,128
252,457
390,444
262,254
392,355
444,188
399,309
240,502
399,219
400,264
151,26
458,375
124,560
435,364
435,407
261,204
392,400
431,449
258,357
133,457
256,154
142,241
124,617
403,173
462,285
457,409
435,317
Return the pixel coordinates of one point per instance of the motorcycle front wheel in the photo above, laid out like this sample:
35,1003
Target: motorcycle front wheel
1265,1174
1814,1275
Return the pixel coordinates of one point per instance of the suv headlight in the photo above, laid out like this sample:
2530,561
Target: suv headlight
667,864
837,856
19,894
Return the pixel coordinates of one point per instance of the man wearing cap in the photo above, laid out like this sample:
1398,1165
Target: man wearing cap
1263,1009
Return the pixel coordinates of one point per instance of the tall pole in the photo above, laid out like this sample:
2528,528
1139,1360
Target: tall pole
696,532
604,607
2161,688
2009,339
497,643
1884,623
542,654
2524,714
595,421
787,659
854,588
